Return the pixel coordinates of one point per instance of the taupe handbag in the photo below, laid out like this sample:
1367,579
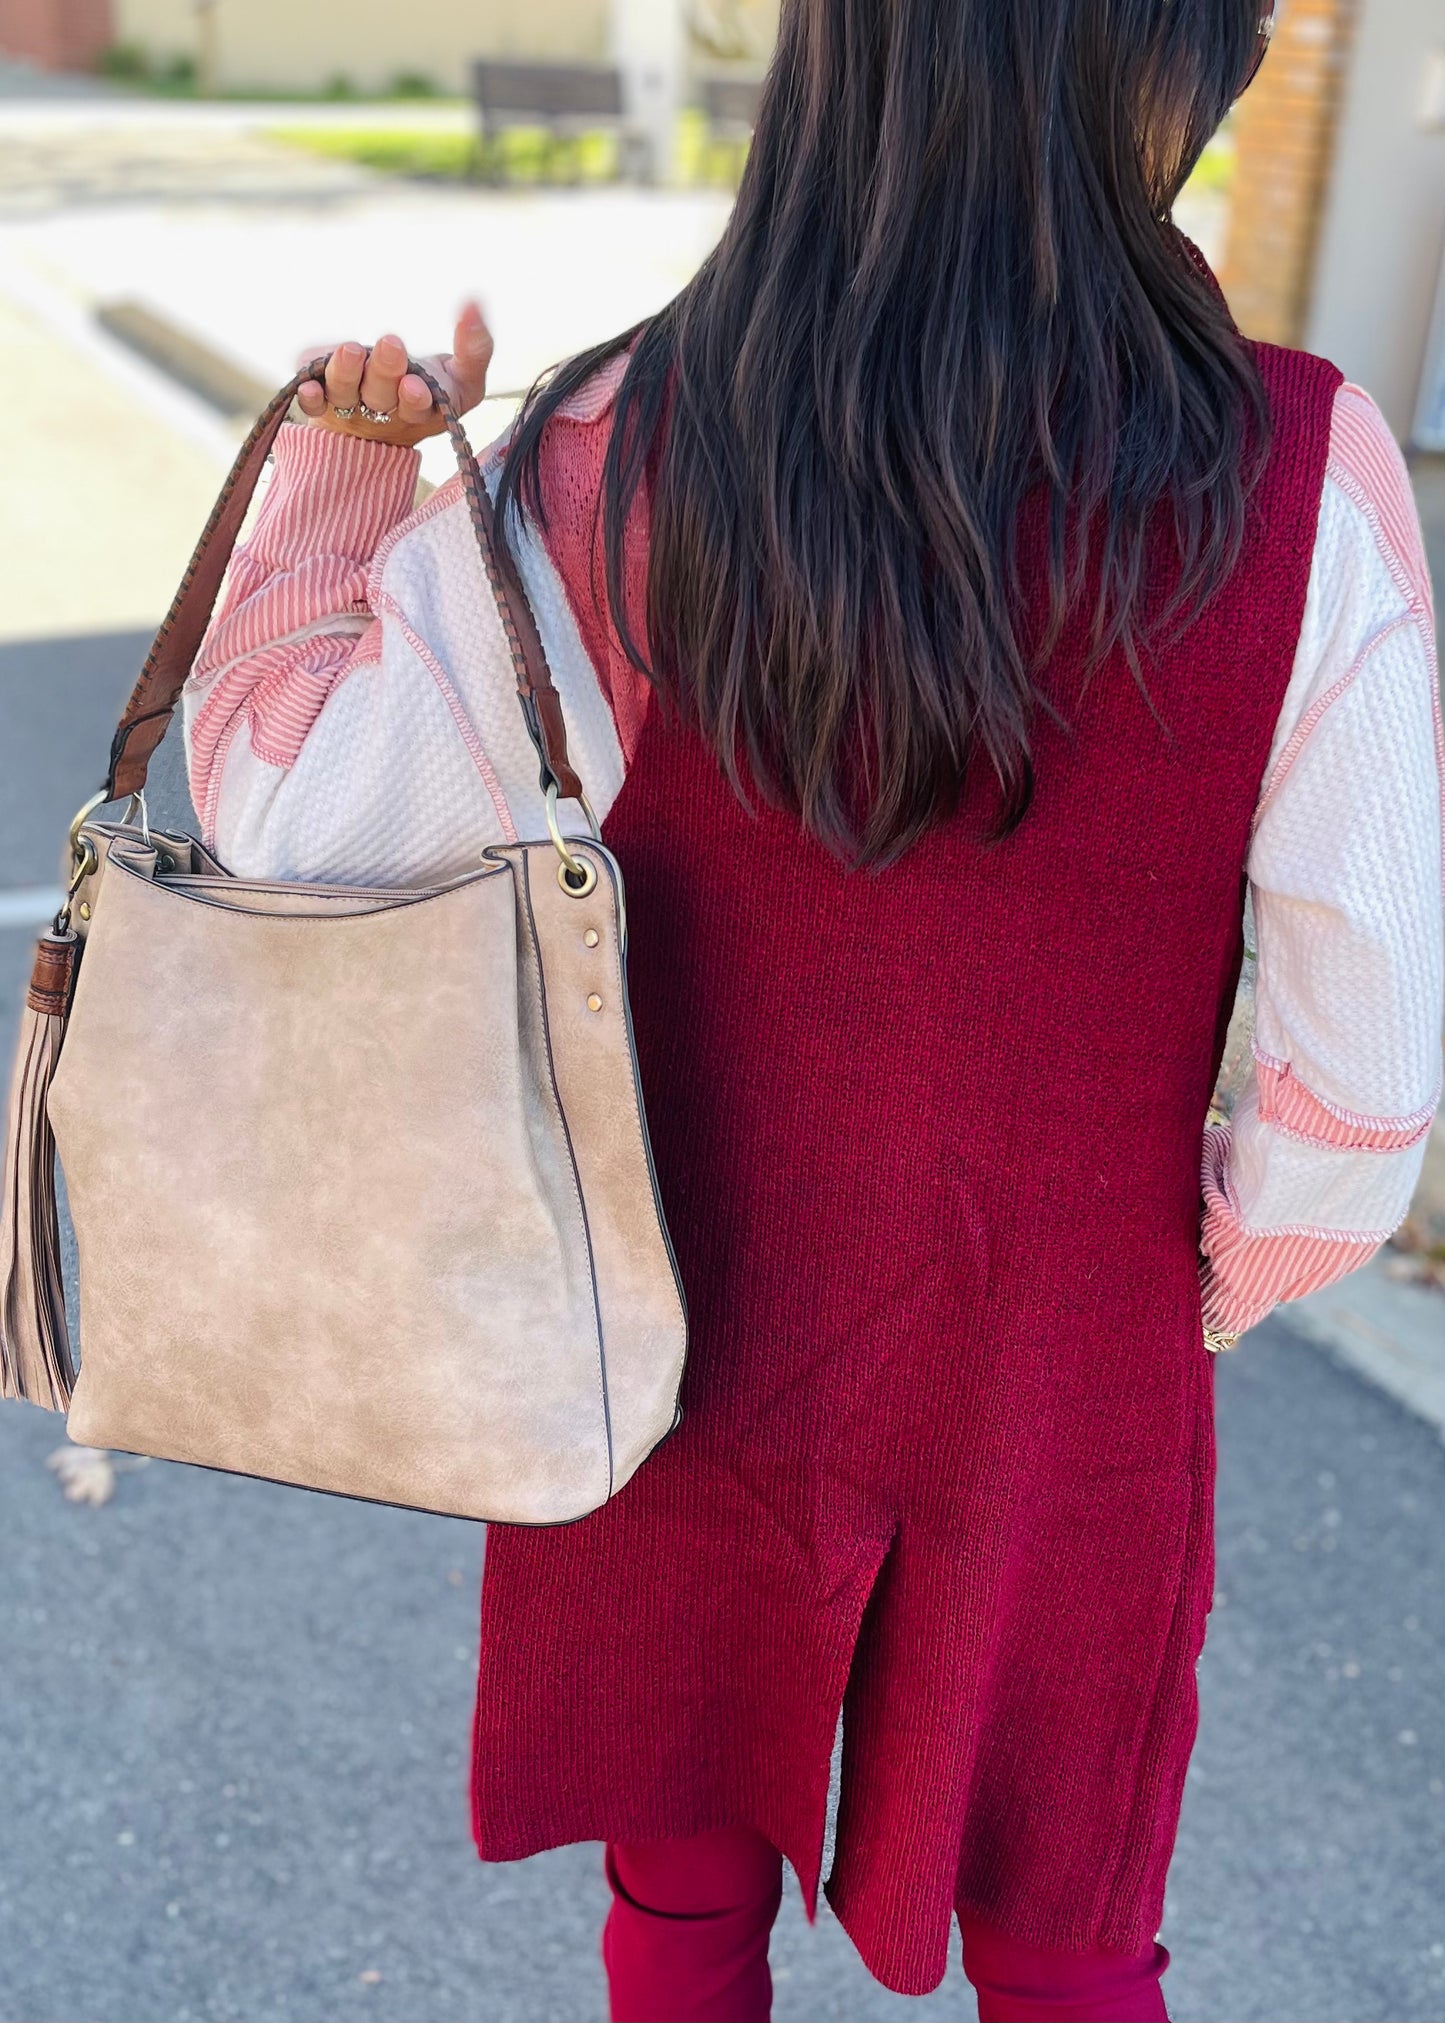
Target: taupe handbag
360,1178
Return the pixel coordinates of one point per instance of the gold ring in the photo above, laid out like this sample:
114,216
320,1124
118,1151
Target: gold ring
81,817
1216,1340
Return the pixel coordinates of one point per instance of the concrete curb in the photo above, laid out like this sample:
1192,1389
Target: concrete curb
151,387
1389,1333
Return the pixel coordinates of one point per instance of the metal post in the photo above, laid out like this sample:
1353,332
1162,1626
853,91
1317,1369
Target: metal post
649,46
207,48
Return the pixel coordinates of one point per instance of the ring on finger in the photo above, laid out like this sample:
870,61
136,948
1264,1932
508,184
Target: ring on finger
374,414
343,413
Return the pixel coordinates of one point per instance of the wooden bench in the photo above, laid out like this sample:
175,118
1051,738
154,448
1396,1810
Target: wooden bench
565,100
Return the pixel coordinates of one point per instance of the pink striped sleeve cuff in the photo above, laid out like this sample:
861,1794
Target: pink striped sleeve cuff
332,494
1247,1273
1286,1103
332,500
295,603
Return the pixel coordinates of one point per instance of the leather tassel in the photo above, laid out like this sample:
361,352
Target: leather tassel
35,1358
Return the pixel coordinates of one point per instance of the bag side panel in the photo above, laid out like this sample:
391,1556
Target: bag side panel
644,1329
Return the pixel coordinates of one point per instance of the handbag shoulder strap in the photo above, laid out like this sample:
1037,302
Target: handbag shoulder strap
148,713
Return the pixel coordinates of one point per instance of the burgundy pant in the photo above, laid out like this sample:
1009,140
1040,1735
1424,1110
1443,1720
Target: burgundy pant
686,1941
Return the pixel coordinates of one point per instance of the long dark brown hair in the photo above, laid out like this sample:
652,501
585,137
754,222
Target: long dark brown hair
949,284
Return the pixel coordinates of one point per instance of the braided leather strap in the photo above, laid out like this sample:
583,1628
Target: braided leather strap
148,713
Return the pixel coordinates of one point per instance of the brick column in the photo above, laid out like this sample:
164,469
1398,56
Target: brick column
1284,132
56,34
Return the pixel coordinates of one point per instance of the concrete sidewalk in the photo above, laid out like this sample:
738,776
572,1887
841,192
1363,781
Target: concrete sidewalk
82,554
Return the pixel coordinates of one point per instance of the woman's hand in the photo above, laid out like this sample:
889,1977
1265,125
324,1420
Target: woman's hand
378,379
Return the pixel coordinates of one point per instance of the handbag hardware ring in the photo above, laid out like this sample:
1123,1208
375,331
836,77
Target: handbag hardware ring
80,844
576,875
84,858
138,798
84,861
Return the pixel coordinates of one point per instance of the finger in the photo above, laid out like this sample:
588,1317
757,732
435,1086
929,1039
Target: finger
312,353
413,400
471,356
311,397
381,378
343,374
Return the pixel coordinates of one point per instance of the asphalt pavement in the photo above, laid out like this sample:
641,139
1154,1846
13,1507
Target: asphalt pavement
235,1745
60,700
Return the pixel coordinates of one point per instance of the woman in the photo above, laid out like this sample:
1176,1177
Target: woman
950,609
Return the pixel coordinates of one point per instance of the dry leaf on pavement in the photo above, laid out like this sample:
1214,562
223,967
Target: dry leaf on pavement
87,1474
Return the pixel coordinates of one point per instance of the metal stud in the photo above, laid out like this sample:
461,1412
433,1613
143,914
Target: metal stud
592,937
85,909
594,1002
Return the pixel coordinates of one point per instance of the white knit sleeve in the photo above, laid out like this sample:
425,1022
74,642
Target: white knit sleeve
1324,1148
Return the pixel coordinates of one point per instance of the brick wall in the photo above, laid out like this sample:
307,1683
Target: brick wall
1284,129
56,34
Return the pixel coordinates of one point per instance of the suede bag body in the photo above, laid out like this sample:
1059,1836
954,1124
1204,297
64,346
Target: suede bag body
360,1178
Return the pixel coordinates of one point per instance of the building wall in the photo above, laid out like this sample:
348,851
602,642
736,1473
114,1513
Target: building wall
560,31
1384,219
1284,129
740,31
56,34
275,43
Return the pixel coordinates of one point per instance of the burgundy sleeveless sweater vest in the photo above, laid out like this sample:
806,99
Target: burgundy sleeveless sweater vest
928,1142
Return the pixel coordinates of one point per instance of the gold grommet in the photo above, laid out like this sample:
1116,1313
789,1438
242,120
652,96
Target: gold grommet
577,884
592,937
594,1003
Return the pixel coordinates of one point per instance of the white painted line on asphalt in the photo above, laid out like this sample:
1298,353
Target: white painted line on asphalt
1390,1333
30,905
